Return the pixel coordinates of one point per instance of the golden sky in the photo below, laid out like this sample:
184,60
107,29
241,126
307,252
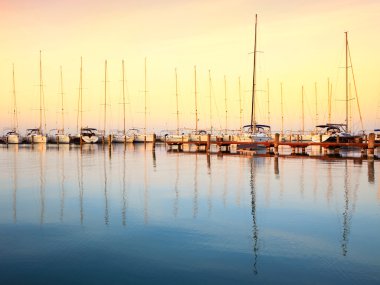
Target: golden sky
301,43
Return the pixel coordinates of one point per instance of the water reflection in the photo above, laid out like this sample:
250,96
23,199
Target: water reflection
165,200
195,195
255,229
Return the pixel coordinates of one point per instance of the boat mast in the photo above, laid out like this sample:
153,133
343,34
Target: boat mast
225,103
268,101
241,108
210,94
62,110
145,91
282,112
15,121
303,113
253,113
105,95
40,125
346,43
122,64
329,92
81,94
196,101
316,103
176,96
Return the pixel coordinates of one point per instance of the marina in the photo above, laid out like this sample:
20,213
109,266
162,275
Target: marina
189,142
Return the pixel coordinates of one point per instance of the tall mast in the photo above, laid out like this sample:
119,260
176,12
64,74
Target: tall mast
253,113
15,121
346,43
196,101
225,103
268,101
316,103
40,125
176,96
145,91
62,110
329,92
303,113
241,108
210,94
105,95
81,94
282,113
123,75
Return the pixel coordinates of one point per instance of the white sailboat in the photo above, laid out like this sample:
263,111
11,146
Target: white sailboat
86,135
58,136
170,135
36,135
255,132
333,132
121,136
143,137
12,136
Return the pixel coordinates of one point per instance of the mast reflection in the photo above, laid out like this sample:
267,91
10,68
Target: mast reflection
195,198
255,229
41,150
80,184
124,196
106,212
176,191
15,186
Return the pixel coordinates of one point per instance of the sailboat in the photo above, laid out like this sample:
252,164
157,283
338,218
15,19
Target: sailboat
12,136
255,132
333,132
122,137
86,135
36,135
143,137
58,135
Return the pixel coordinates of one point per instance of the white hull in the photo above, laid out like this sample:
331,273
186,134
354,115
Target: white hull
36,139
143,138
261,138
59,139
90,139
195,138
122,139
12,139
177,138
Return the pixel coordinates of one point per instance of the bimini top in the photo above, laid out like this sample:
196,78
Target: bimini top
257,126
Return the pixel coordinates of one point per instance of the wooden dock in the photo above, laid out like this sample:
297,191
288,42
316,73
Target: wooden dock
367,148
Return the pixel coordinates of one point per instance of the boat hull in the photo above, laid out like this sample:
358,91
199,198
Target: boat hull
59,139
143,138
12,139
122,139
32,139
90,139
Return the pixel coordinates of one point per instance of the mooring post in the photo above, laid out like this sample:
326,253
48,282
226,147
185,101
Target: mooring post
154,142
371,145
208,143
276,143
109,141
80,140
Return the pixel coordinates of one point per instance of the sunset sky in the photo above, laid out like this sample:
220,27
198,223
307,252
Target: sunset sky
301,43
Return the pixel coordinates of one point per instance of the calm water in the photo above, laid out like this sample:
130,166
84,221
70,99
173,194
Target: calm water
133,216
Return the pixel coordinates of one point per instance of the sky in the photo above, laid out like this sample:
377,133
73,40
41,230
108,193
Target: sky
300,45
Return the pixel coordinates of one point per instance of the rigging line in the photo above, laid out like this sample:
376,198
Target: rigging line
356,91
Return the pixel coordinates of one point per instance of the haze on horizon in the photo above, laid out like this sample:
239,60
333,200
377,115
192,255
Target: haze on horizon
301,43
